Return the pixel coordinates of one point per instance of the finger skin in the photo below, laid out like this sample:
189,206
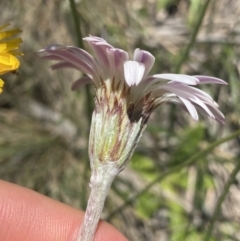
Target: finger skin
26,215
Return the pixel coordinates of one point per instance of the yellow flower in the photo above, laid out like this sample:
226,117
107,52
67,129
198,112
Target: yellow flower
9,48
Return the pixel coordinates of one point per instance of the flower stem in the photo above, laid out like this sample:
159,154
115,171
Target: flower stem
101,180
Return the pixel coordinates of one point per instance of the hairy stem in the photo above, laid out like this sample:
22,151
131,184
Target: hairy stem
101,180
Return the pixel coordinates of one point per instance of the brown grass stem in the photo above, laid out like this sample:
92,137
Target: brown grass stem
184,56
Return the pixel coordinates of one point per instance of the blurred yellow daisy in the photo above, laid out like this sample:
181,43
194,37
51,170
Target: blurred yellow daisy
9,48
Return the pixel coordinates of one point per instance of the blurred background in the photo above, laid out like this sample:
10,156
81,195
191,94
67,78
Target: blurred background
183,182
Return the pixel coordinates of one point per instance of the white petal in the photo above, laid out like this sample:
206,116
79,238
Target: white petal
187,89
177,90
203,106
133,72
190,107
185,92
181,78
145,58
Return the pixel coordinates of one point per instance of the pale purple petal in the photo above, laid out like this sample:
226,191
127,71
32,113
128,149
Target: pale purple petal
133,72
93,38
180,78
217,113
63,65
82,54
116,58
98,41
191,94
189,89
100,47
52,47
190,107
160,92
178,90
81,82
145,58
184,104
202,105
50,57
209,80
73,59
86,57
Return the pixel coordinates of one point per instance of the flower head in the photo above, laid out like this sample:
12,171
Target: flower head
9,48
126,95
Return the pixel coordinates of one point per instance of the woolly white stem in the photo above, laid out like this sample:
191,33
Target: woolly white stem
101,180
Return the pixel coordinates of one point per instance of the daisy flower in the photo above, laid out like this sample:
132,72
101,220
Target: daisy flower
126,95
